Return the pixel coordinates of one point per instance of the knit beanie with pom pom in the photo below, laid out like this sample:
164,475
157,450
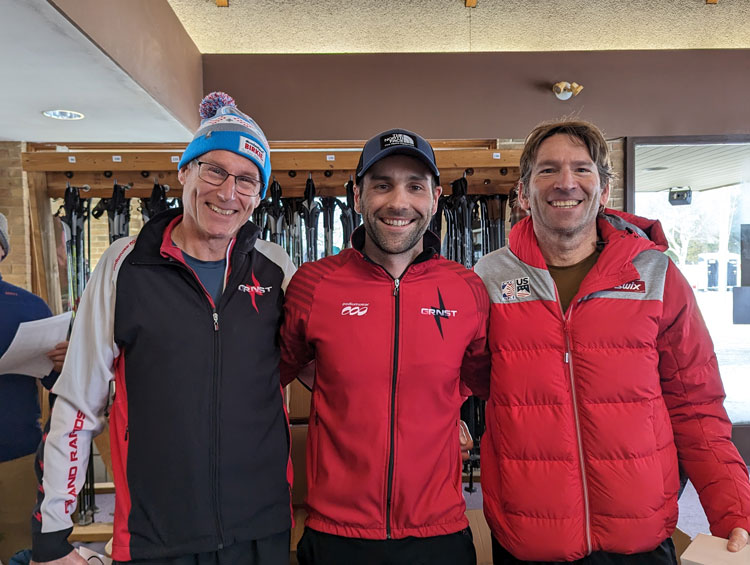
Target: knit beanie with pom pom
224,126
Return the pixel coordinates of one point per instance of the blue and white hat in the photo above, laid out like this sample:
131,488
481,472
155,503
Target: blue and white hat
4,238
224,126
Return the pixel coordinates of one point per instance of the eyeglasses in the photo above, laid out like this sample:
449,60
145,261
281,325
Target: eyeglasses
215,175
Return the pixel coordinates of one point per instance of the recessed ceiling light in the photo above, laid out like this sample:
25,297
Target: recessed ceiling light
63,114
653,169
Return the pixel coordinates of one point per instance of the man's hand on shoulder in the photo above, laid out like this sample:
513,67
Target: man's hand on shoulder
72,558
737,539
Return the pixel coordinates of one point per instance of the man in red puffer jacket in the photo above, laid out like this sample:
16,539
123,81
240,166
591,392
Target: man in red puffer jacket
604,378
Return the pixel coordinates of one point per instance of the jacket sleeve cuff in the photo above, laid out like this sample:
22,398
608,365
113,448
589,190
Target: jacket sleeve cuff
50,545
49,381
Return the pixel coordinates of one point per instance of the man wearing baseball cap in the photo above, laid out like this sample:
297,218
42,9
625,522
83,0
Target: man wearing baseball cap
183,318
395,331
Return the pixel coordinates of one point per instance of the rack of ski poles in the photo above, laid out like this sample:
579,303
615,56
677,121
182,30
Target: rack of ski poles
312,226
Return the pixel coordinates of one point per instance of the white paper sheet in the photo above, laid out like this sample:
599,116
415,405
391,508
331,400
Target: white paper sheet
27,353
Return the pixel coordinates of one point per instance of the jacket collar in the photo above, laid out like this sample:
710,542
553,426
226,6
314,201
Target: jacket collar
154,242
624,236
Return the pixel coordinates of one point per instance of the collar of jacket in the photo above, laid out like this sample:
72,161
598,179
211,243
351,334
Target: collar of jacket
430,245
154,242
623,240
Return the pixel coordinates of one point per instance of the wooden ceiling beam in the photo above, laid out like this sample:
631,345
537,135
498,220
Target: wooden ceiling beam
487,170
303,161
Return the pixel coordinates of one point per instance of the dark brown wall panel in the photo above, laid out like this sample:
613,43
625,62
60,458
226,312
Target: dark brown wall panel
487,95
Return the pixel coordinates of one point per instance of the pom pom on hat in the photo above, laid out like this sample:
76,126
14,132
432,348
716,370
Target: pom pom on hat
225,127
212,102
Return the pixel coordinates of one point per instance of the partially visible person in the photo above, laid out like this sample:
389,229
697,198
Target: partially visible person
20,430
184,318
604,378
395,331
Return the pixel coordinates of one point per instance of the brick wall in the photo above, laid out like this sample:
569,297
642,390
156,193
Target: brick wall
617,185
14,203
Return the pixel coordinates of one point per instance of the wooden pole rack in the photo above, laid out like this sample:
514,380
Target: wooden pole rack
488,169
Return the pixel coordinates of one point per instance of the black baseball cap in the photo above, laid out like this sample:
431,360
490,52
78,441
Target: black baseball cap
396,142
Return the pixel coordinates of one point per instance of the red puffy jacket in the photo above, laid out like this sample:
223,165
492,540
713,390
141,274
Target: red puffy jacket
590,412
383,447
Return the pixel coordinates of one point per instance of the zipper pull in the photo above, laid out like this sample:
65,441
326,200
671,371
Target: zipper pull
396,282
216,322
566,357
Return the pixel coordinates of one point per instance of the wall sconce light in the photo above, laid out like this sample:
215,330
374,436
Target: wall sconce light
564,90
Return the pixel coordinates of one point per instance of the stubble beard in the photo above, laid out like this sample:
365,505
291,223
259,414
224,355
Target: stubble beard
397,247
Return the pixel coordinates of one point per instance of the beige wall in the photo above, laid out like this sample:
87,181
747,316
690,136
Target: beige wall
14,203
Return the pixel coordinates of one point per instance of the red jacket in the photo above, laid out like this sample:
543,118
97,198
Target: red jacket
383,446
589,412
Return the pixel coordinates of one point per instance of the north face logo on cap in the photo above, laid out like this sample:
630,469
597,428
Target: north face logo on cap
396,139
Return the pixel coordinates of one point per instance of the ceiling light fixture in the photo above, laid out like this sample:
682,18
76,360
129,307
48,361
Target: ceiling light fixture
564,90
63,114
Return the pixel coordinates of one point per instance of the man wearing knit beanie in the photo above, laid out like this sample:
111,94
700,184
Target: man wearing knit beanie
19,413
183,318
4,238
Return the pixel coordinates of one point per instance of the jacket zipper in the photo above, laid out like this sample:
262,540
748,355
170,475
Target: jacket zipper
214,418
389,495
581,460
214,450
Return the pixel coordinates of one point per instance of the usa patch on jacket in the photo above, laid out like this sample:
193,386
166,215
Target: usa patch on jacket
515,288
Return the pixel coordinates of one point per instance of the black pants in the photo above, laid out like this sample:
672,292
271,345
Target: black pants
664,554
317,548
272,550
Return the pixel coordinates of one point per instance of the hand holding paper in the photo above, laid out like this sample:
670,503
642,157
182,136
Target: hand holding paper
27,353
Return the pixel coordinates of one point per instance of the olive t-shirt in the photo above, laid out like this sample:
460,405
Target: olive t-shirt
568,279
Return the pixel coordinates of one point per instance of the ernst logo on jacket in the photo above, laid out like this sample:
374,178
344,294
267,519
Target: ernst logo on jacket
254,290
438,312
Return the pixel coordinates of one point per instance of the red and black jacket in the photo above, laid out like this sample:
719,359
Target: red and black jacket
199,436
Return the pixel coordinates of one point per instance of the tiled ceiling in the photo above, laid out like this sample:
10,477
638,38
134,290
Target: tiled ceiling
426,26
